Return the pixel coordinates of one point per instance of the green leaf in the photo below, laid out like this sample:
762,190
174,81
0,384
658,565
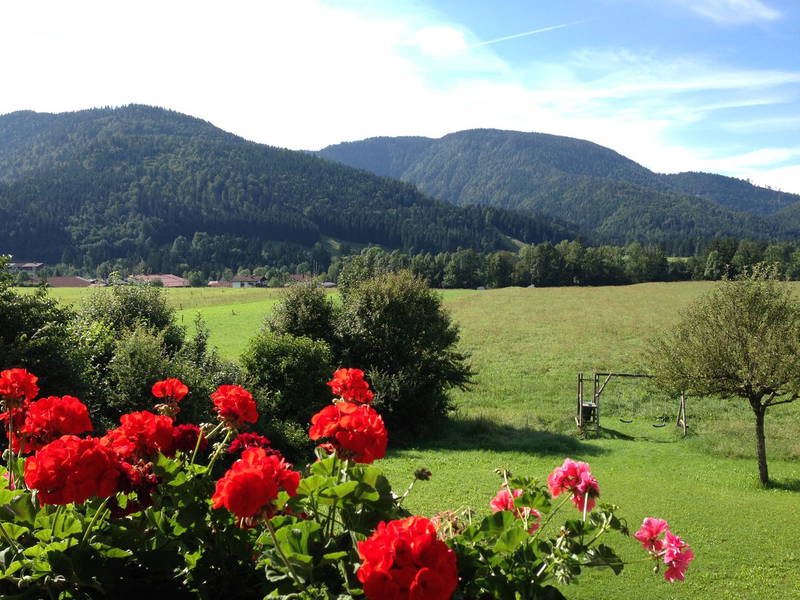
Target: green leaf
341,490
510,539
15,530
603,556
308,485
497,523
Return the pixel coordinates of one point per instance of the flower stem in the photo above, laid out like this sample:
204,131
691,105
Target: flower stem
95,517
285,560
211,434
8,539
218,451
550,516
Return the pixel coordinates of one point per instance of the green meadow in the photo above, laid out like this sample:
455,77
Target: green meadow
527,346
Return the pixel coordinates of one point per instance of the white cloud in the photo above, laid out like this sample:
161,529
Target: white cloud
303,75
439,41
733,12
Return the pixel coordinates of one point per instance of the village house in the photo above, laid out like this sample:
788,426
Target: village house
248,281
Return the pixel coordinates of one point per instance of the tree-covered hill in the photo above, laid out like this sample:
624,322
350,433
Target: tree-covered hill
609,196
140,183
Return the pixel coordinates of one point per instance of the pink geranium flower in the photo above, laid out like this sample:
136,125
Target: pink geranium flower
671,548
650,532
505,501
575,478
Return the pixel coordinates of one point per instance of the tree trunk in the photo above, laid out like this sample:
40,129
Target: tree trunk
763,474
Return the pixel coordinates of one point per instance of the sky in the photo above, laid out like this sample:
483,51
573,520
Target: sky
676,85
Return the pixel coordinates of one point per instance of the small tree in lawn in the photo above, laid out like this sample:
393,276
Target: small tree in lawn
742,340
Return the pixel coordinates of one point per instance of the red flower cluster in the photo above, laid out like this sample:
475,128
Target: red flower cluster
170,388
251,485
172,391
48,419
404,560
141,435
139,479
355,431
235,405
17,385
185,438
671,548
71,469
349,384
505,501
575,478
243,441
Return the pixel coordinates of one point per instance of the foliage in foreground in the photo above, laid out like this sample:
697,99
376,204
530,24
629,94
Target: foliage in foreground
139,509
742,340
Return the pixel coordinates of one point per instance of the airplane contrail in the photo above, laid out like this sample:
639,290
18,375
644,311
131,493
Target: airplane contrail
525,33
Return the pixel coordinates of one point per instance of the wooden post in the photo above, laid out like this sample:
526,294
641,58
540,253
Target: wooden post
681,422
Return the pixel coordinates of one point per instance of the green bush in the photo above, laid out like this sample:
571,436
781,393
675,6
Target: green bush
304,310
396,329
35,333
287,375
123,307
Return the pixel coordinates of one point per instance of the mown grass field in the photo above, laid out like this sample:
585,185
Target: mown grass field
527,346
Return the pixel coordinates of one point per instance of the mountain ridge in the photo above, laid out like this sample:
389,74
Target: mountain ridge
125,183
575,180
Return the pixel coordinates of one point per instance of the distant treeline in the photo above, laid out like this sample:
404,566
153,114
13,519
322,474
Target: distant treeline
572,263
544,264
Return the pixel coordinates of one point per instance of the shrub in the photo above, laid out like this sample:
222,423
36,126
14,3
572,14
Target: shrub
288,374
395,328
304,310
124,307
35,333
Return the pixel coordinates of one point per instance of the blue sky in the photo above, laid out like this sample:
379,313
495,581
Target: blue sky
676,85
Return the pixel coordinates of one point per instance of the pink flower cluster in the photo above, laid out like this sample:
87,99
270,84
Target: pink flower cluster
671,548
575,478
504,500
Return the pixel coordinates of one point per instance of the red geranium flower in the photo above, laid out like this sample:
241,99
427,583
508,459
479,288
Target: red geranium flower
141,435
48,419
244,441
185,438
235,405
17,385
350,385
170,388
355,431
575,477
71,469
251,485
404,560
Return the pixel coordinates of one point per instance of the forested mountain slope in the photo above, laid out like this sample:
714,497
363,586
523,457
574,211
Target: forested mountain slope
137,182
609,196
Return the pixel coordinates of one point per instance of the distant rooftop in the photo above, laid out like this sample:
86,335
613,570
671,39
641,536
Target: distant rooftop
169,280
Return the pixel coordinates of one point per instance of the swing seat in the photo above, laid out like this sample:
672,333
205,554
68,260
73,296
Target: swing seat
626,420
659,424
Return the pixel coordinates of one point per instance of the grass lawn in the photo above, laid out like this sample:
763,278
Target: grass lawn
527,347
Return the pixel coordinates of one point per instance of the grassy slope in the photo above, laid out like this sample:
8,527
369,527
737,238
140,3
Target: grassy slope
528,345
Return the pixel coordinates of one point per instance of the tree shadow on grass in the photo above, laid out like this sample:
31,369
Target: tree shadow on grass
789,485
478,433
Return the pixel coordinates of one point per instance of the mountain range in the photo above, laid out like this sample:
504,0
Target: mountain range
609,197
153,187
140,183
